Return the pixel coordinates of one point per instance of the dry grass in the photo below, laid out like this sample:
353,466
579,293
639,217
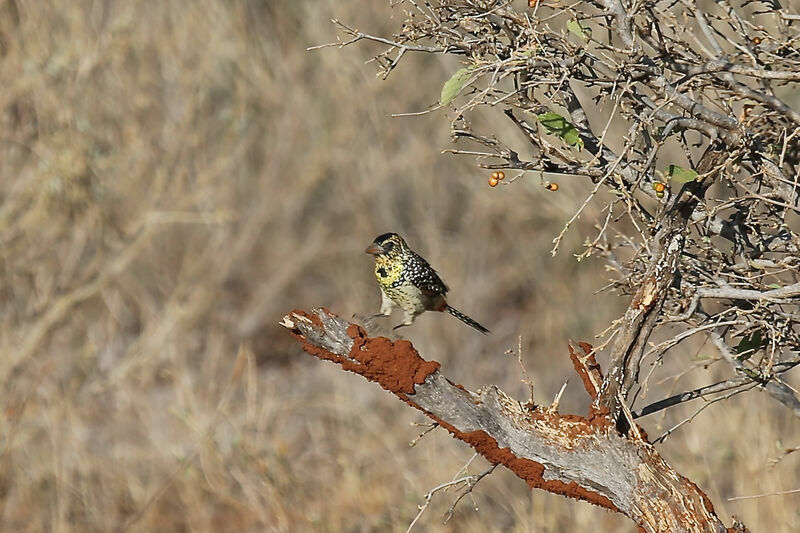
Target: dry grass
175,177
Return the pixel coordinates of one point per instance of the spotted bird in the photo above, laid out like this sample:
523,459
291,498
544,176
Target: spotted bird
408,281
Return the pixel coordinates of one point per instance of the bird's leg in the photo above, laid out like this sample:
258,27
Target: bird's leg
386,306
407,320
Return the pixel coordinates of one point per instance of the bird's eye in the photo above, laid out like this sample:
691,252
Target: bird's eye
388,246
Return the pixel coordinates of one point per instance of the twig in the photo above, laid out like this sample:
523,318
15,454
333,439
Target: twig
779,391
754,496
468,481
471,485
428,428
554,406
688,419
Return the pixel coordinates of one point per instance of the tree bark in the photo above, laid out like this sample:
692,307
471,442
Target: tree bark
581,458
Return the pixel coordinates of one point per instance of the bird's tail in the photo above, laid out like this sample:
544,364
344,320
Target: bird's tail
465,319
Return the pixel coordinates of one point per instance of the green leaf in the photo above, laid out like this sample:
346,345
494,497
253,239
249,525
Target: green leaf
748,345
774,286
563,128
454,85
680,174
576,28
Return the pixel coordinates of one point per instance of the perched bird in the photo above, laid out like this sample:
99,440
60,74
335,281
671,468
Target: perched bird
407,280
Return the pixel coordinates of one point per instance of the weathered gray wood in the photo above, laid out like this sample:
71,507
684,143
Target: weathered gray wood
565,454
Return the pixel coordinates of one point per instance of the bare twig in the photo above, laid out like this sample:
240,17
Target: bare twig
754,496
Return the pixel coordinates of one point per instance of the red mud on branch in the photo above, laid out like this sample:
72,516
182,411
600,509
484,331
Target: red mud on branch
395,366
526,469
587,368
398,368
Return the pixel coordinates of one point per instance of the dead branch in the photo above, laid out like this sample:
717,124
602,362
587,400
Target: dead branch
582,458
722,386
645,307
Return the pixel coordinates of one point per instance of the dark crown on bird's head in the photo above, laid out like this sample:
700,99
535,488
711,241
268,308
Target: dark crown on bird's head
387,244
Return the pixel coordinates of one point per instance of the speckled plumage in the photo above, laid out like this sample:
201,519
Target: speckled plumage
408,281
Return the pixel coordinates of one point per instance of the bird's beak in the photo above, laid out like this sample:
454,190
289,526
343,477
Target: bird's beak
374,249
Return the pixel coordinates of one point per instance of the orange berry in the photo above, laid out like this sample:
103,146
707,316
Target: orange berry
659,187
501,175
532,3
757,40
551,186
495,175
493,182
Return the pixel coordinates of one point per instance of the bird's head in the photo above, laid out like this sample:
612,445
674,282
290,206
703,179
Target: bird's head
387,245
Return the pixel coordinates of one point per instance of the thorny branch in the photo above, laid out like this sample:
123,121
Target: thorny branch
645,89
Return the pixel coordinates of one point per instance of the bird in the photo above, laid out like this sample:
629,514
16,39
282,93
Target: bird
410,282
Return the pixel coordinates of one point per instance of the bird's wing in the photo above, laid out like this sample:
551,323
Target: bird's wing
428,281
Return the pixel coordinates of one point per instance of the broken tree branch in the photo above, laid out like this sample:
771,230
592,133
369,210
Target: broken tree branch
582,458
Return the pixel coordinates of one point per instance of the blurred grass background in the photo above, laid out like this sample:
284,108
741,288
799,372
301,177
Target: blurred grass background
176,176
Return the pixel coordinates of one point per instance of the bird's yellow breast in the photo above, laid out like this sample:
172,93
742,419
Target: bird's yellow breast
388,272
